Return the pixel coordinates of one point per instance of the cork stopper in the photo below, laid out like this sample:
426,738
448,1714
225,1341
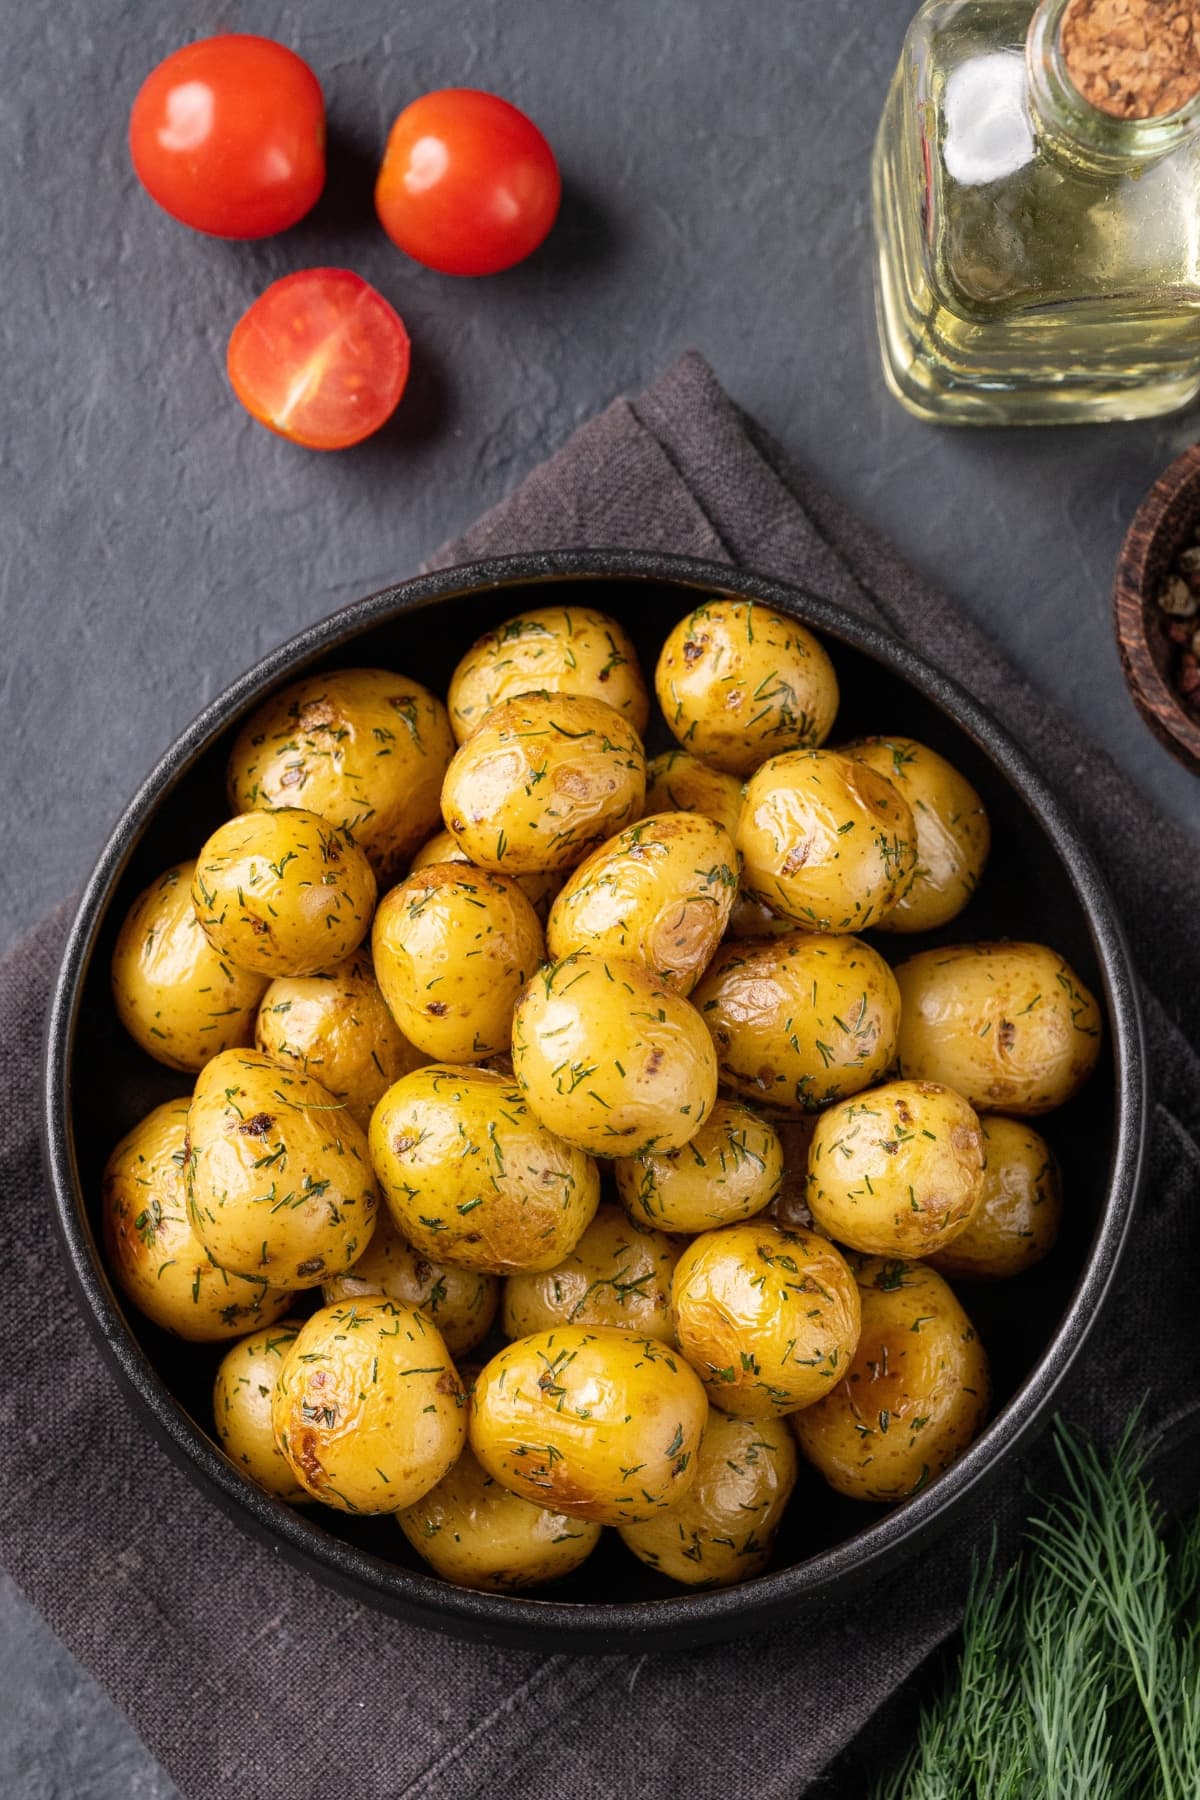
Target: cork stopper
1133,59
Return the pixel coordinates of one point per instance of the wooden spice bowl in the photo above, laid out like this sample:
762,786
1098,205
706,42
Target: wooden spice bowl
1162,525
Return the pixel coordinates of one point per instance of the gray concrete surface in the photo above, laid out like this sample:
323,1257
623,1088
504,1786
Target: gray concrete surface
155,541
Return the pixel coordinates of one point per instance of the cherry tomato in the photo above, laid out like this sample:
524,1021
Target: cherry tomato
468,184
228,135
320,358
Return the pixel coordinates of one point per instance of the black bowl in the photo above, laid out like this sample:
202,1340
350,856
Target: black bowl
1041,884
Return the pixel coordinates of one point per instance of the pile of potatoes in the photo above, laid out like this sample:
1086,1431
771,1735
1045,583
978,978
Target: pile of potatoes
629,1172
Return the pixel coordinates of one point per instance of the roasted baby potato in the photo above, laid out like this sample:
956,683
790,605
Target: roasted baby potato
539,890
157,1259
475,1533
610,1059
723,1530
279,1183
368,1408
825,841
543,781
679,782
175,995
461,1302
897,1171
242,1395
659,894
555,650
1010,1026
738,682
767,1318
729,1171
915,1395
337,1028
599,1424
472,1178
953,834
283,893
800,1021
1017,1220
618,1274
453,947
364,748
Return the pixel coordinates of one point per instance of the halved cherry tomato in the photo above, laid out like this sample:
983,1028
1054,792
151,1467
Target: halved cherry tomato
228,135
320,358
468,184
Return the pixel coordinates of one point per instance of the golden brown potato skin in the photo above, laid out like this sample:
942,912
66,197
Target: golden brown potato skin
364,748
553,650
368,1408
175,995
768,1318
729,1171
738,683
152,1251
915,1396
283,893
1010,1026
242,1394
610,1059
453,947
461,1302
599,1424
897,1171
539,890
658,893
825,841
337,1028
471,1177
618,1274
543,781
723,1530
279,1183
800,1021
751,919
953,834
679,782
1017,1220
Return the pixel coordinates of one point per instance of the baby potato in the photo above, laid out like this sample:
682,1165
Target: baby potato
800,1021
475,1533
825,841
618,1274
659,893
723,1530
767,1318
242,1394
1016,1222
337,1028
1010,1026
154,1255
953,834
453,948
542,781
539,890
175,995
472,1178
283,893
678,782
461,1302
554,650
897,1171
610,1059
368,1408
599,1424
729,1171
738,682
916,1393
364,748
279,1183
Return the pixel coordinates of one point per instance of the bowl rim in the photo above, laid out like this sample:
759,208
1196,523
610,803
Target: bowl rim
1160,706
691,1617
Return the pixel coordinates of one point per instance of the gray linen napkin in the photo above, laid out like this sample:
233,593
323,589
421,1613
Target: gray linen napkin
250,1681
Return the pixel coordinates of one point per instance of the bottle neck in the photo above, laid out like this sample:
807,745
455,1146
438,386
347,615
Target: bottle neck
1079,130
